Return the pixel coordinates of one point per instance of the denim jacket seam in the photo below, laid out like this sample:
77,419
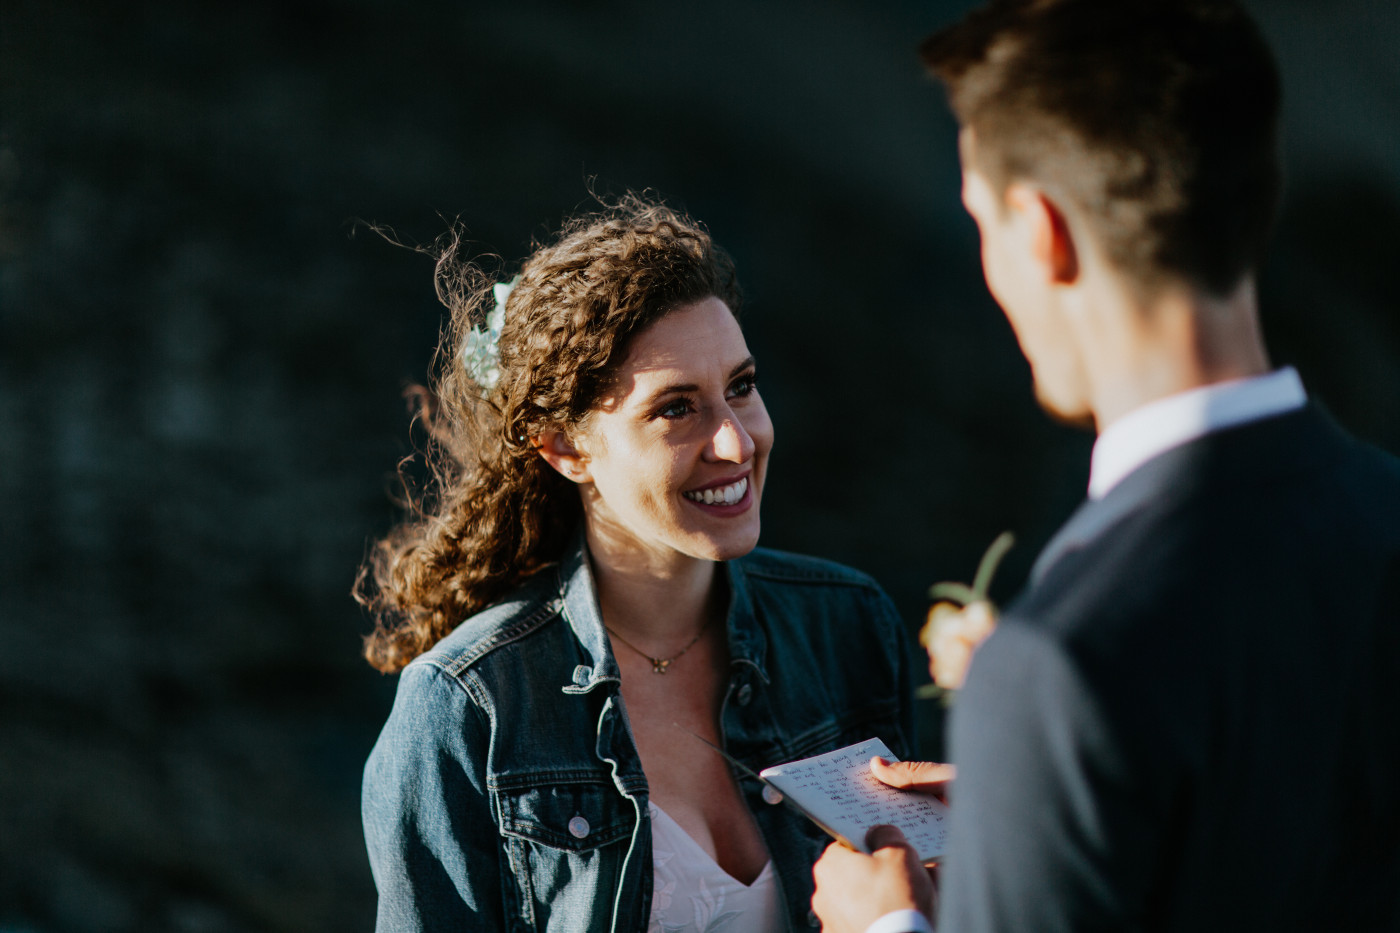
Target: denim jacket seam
813,578
480,696
455,664
529,780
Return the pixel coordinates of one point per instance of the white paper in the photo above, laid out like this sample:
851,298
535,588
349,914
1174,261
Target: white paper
838,791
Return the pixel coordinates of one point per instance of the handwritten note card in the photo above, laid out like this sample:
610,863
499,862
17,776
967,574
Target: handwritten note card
838,792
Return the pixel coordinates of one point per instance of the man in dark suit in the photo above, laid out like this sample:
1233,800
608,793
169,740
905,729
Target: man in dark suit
1191,718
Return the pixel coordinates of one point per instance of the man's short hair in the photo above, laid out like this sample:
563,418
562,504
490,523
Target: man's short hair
1154,119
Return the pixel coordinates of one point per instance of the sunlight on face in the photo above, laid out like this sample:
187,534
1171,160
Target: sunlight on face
676,454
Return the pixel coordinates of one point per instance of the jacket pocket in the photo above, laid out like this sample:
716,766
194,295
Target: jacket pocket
563,812
566,838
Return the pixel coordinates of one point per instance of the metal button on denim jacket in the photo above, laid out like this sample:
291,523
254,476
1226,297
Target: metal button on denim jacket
506,793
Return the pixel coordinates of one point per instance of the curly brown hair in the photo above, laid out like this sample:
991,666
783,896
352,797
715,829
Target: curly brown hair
493,512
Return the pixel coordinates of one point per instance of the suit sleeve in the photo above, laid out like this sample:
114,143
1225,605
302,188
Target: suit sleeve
1049,832
433,846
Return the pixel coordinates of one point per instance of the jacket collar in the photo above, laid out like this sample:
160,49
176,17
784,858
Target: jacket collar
578,595
748,645
1302,439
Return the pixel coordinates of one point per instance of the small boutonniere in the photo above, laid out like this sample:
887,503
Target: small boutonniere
958,622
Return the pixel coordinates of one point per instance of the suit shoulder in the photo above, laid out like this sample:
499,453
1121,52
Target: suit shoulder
1379,467
1120,581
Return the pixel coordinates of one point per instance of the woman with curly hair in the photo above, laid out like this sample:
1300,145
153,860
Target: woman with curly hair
577,601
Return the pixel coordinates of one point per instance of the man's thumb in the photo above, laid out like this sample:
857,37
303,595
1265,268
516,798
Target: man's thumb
928,777
881,836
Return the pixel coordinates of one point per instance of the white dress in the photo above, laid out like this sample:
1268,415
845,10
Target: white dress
692,894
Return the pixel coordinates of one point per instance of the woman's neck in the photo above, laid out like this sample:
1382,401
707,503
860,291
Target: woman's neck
657,602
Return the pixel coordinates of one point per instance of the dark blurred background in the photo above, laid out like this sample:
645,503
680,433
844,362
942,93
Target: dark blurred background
201,362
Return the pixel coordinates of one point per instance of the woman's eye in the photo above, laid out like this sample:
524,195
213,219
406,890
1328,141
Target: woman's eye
744,385
678,408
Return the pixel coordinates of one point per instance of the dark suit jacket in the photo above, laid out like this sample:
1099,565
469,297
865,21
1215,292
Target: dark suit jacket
1191,719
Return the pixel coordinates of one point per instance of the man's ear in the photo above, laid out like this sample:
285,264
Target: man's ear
558,451
1049,238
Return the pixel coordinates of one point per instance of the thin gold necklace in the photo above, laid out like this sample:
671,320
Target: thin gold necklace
659,665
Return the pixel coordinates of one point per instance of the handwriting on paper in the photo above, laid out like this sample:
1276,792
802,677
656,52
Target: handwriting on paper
838,791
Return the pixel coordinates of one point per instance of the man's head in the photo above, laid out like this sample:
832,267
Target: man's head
1150,122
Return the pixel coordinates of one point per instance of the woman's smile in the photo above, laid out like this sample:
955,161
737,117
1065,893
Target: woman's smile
725,497
674,461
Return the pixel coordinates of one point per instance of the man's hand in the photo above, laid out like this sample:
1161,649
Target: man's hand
855,890
925,777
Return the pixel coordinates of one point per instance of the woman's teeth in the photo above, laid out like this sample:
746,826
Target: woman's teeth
720,495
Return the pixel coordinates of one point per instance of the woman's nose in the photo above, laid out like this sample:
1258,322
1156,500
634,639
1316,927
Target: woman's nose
731,442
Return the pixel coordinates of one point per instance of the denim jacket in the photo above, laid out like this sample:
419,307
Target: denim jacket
506,793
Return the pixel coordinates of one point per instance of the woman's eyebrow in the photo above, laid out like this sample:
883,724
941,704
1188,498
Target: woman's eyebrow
677,388
746,363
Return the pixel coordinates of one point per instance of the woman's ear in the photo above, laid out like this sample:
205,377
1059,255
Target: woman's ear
558,451
1049,237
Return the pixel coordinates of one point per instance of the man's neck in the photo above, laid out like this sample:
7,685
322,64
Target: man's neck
1178,419
1180,339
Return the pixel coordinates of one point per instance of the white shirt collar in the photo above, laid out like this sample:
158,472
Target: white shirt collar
1158,426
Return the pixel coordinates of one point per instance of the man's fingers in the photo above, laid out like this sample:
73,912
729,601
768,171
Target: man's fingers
854,890
881,836
928,777
832,860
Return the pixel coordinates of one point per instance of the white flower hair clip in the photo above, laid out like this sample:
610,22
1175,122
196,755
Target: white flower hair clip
481,351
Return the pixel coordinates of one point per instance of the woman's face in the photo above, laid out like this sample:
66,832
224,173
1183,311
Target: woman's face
672,461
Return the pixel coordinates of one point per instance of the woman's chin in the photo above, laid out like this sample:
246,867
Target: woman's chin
733,545
735,539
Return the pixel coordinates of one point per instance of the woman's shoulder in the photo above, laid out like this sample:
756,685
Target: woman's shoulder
813,598
519,614
804,570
